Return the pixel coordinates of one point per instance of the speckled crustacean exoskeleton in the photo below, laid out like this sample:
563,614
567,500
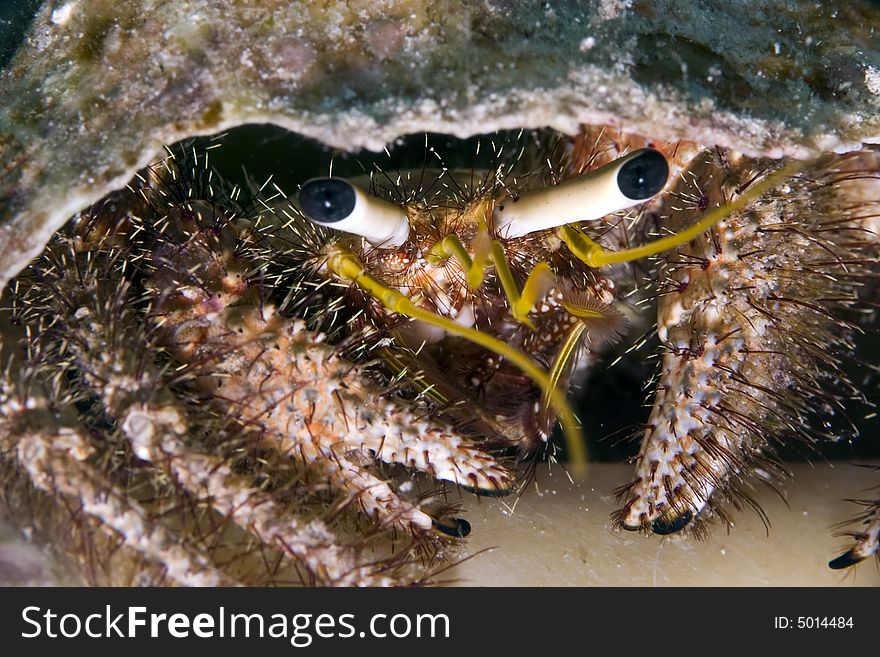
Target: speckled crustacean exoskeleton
756,319
189,429
215,385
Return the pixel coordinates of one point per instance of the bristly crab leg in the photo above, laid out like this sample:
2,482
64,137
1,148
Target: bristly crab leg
750,342
310,402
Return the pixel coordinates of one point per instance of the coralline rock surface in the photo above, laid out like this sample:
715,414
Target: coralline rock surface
97,86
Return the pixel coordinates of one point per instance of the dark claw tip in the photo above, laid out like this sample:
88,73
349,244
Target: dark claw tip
644,175
670,525
487,492
845,560
459,529
327,200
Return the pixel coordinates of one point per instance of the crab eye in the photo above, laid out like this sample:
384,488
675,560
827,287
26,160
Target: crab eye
338,204
327,200
644,175
621,184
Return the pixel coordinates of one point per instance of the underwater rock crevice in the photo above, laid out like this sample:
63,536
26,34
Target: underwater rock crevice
97,87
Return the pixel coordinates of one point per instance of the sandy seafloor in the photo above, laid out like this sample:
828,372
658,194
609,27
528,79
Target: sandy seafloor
563,537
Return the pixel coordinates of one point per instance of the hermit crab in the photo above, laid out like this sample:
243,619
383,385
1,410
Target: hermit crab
224,385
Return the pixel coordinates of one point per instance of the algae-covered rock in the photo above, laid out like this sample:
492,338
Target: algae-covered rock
98,85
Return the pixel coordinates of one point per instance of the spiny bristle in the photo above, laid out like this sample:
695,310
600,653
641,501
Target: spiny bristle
754,326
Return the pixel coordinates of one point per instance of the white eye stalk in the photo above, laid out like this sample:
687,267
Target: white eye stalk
619,185
336,203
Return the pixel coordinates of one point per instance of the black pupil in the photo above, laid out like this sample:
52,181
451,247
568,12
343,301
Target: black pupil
643,176
327,200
